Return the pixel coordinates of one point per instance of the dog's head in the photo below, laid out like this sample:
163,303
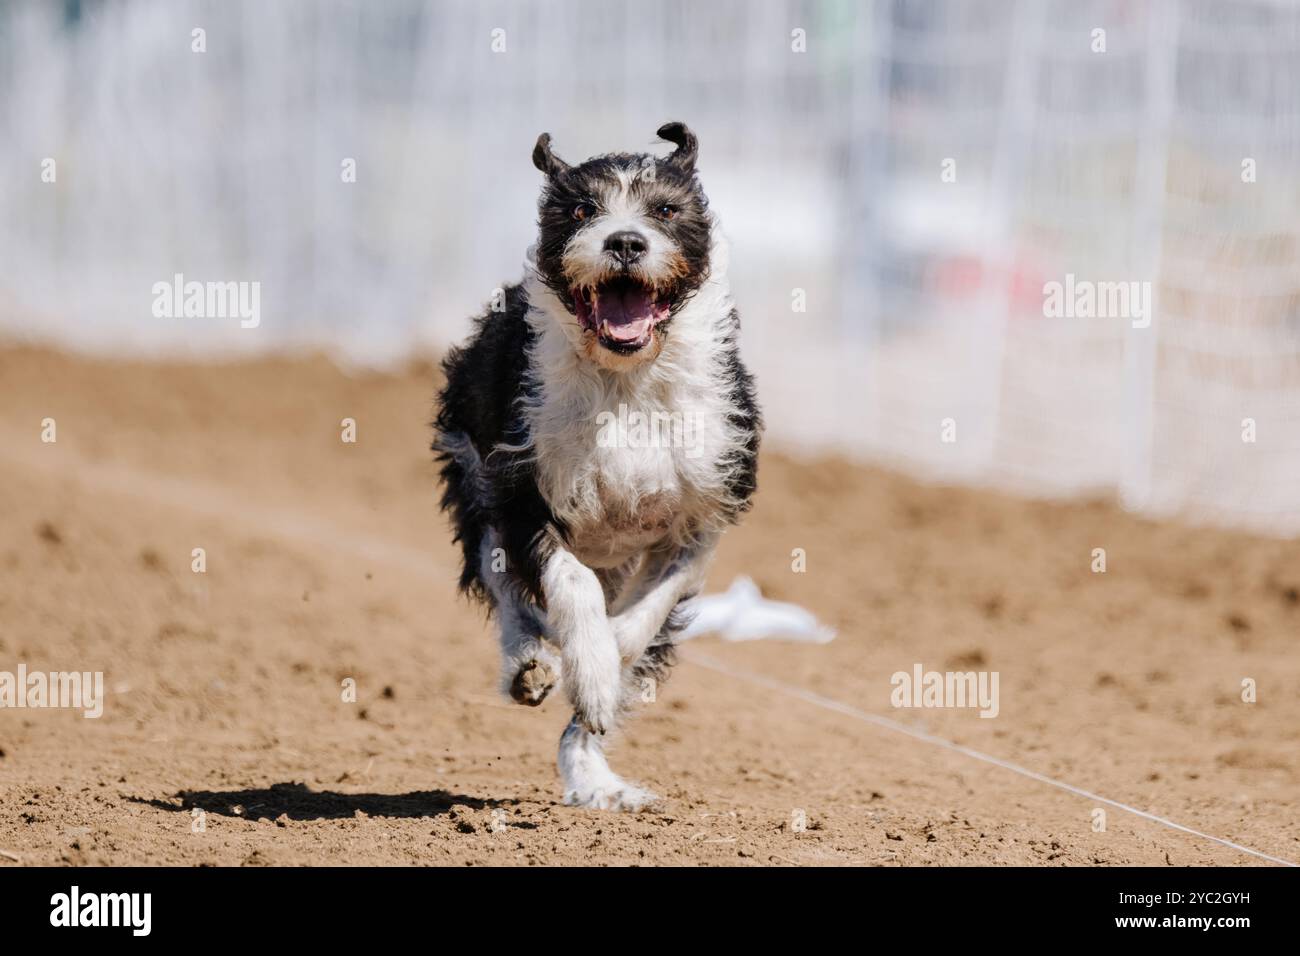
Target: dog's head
624,244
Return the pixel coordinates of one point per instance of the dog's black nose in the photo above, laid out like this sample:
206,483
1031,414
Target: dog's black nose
626,246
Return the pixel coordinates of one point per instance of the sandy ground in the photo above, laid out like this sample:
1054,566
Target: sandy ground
328,561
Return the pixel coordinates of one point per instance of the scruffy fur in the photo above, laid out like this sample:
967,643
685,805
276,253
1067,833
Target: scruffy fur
583,536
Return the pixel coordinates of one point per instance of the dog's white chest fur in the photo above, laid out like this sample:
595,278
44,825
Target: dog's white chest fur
627,460
624,467
611,523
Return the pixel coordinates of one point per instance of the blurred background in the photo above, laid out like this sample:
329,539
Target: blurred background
898,180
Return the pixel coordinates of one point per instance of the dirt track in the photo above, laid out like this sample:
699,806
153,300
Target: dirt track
328,560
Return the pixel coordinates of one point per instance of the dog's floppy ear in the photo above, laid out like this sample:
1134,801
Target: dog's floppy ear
545,160
683,157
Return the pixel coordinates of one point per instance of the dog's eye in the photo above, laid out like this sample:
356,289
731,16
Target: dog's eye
583,210
666,211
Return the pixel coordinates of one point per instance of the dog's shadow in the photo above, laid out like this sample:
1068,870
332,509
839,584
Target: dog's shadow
297,801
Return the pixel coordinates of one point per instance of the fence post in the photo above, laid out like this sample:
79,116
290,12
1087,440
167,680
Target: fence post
1141,344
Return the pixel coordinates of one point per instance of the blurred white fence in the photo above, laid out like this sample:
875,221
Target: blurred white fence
915,172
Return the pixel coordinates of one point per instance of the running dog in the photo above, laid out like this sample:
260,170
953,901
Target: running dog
596,435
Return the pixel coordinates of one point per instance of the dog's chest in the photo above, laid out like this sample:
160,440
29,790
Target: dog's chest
620,526
626,477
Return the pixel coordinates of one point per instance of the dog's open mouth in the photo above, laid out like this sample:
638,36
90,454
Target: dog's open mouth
622,311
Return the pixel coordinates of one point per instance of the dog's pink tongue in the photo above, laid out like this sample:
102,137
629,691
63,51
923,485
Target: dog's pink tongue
625,316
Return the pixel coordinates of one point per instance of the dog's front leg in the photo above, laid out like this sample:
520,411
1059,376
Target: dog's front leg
576,619
647,600
588,780
529,668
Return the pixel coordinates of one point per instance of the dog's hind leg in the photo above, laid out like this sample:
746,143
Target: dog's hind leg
530,668
643,677
645,609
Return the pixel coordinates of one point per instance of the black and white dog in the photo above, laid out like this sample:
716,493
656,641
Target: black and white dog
583,533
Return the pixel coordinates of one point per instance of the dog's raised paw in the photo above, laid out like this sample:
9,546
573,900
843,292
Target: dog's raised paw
533,682
621,796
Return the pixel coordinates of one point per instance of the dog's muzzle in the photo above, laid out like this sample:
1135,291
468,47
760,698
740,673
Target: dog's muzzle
623,312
